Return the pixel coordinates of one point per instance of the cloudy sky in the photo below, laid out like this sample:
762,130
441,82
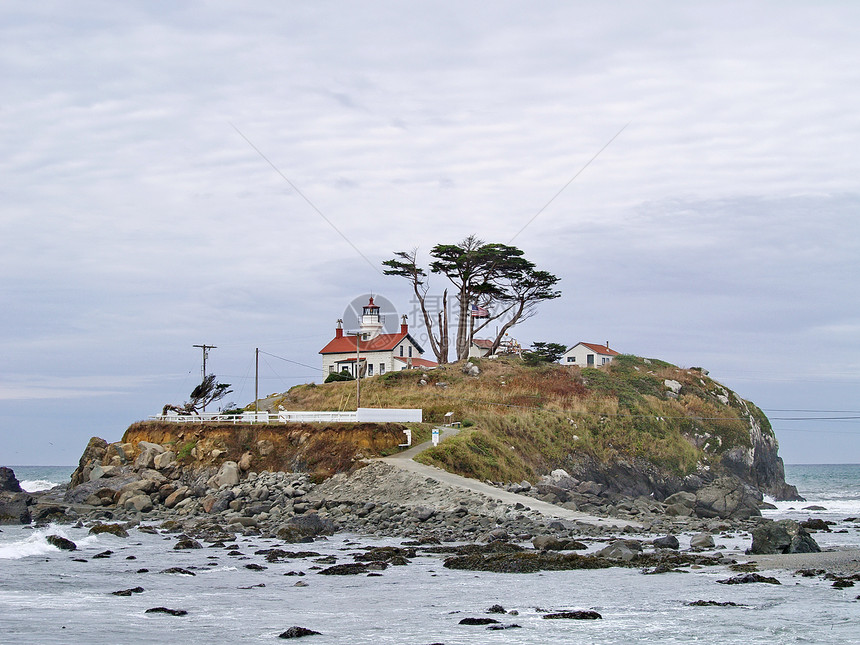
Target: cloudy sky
234,174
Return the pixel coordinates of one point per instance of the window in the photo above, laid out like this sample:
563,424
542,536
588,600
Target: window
410,351
331,369
571,359
603,361
401,350
589,358
382,368
370,369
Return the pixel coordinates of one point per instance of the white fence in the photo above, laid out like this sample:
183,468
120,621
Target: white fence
363,415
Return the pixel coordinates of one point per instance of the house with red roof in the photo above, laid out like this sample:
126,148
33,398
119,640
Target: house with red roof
480,347
370,352
588,355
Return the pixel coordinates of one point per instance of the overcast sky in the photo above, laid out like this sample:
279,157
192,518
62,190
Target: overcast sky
141,212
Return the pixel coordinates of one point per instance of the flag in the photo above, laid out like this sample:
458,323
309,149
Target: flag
479,312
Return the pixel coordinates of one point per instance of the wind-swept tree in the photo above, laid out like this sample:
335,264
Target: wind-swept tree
492,280
204,394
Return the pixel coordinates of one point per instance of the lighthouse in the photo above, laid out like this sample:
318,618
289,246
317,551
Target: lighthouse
371,321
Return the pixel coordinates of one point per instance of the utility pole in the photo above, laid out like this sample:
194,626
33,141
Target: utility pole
205,349
357,373
256,382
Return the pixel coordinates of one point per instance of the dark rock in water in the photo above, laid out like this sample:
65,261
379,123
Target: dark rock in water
814,507
114,529
746,578
15,508
61,543
103,555
815,524
128,592
255,567
711,603
187,543
147,571
179,570
500,627
667,542
783,536
574,615
386,554
346,569
297,632
48,512
165,610
478,621
8,482
496,609
843,583
527,562
303,528
728,497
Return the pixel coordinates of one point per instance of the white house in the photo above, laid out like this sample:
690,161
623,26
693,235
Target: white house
480,347
588,355
373,352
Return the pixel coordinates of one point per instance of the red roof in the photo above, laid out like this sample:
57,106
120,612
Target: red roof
418,362
483,343
381,343
600,349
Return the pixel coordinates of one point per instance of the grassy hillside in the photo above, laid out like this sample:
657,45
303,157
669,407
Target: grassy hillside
521,422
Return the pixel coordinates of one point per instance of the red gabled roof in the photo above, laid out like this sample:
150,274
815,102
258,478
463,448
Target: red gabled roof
418,362
599,349
483,343
381,343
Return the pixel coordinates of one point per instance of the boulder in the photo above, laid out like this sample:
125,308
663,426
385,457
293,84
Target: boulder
93,454
782,536
14,508
667,542
8,482
164,460
728,497
702,541
245,462
297,632
61,543
624,550
228,475
176,496
148,445
141,503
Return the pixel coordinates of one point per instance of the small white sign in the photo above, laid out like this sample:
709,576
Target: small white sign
435,436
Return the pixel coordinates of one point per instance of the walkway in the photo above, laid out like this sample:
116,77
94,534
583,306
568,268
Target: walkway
404,461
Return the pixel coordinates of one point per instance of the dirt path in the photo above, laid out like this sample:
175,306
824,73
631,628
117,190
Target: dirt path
404,461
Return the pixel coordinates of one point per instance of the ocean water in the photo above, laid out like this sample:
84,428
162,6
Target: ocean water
47,596
37,478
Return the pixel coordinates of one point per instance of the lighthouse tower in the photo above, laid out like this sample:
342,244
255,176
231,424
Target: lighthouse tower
371,321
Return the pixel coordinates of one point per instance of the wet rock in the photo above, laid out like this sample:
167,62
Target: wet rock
350,569
128,592
8,482
114,529
187,543
625,550
573,615
728,497
815,524
667,542
228,475
496,609
500,627
747,578
702,541
783,536
179,571
165,610
140,503
711,603
297,632
15,508
61,543
478,621
103,555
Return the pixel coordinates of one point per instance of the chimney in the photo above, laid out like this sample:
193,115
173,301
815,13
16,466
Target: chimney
404,326
338,331
607,344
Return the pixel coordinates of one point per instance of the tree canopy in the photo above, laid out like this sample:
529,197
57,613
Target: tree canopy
204,394
492,282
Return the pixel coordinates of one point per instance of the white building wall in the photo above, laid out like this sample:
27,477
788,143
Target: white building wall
580,353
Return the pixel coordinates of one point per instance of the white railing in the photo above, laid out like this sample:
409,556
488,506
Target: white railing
368,415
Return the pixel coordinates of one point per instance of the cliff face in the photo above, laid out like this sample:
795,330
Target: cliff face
319,449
